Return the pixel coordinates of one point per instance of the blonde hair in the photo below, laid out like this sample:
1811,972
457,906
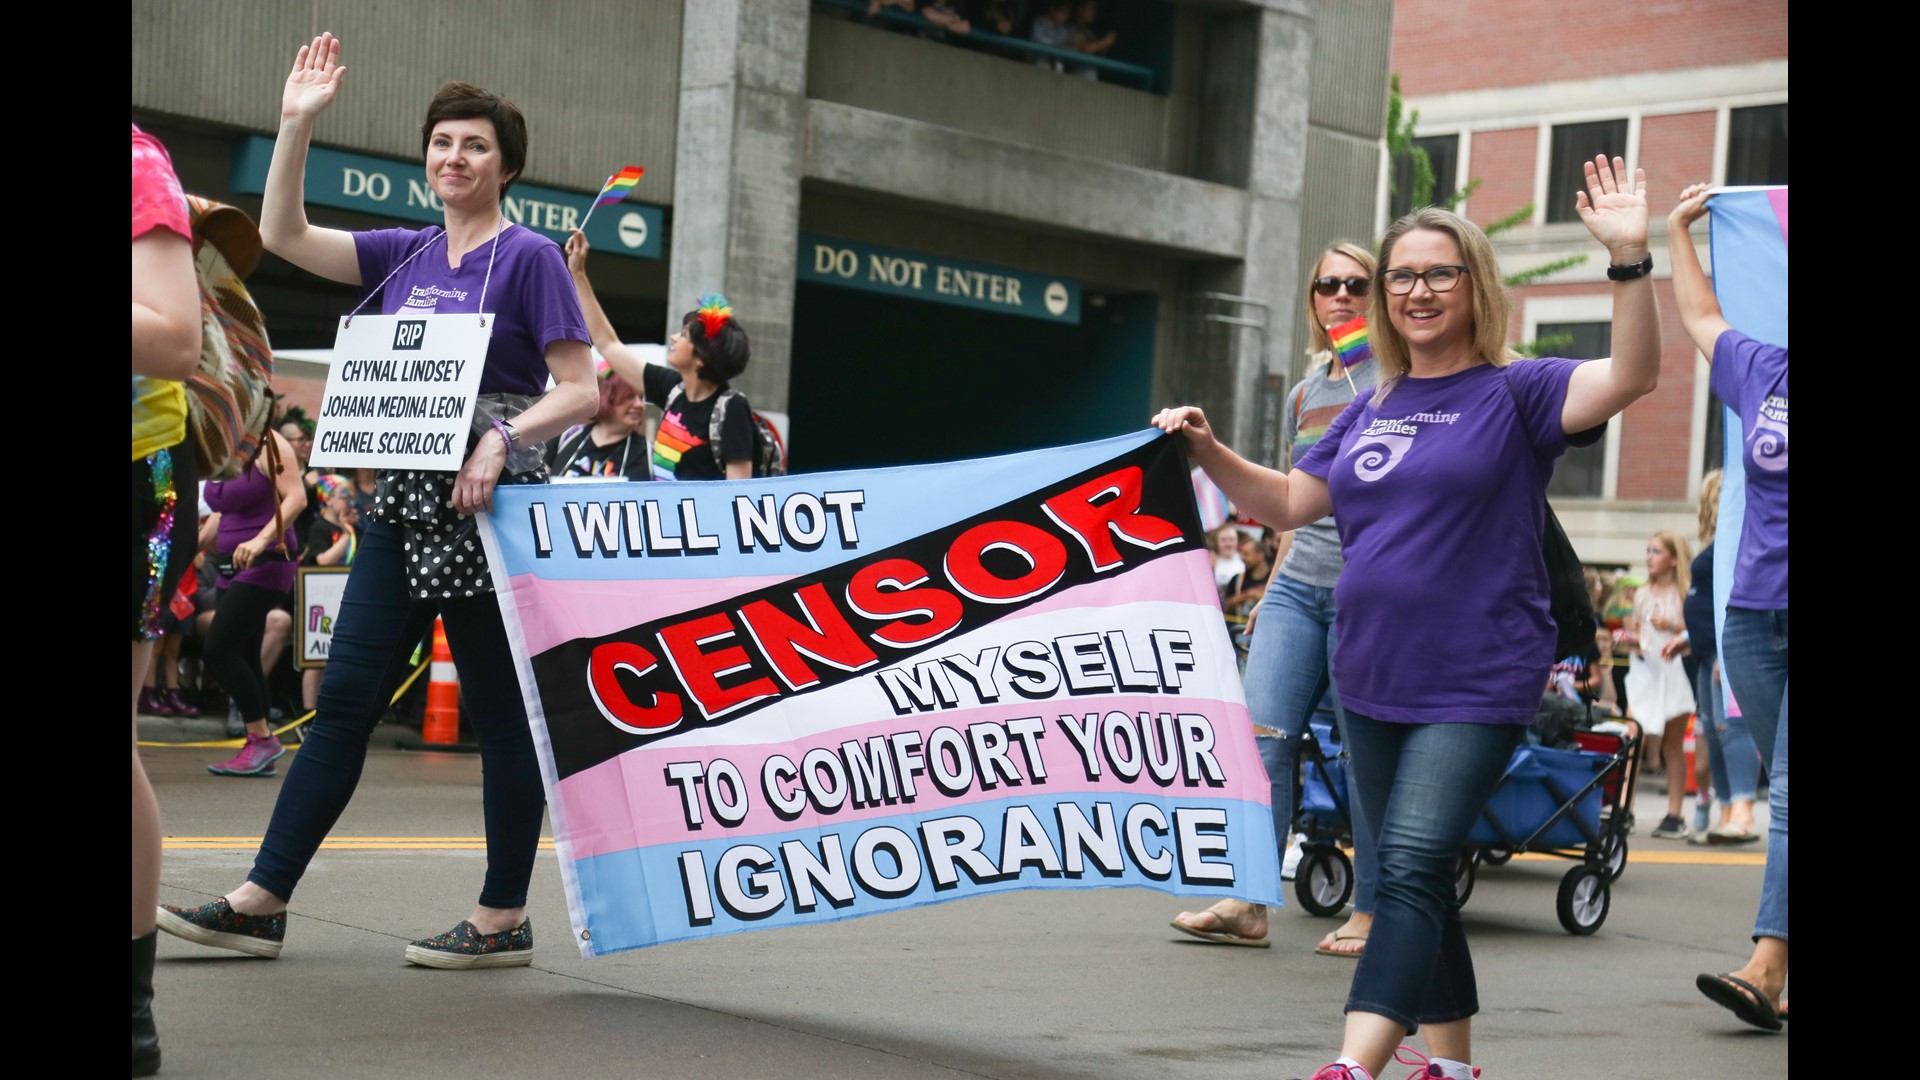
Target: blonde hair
1676,546
1315,332
1709,506
1492,307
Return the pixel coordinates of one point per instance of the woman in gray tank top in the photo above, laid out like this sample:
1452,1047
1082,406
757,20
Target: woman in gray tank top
1287,674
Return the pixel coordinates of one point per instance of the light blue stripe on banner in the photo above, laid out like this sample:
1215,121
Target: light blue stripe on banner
1750,263
884,506
642,897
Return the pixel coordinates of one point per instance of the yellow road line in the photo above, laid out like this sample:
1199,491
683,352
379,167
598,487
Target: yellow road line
1677,858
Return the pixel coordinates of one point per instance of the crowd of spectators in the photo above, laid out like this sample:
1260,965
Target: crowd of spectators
998,26
179,682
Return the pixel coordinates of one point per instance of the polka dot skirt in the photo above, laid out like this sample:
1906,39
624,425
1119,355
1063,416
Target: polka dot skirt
444,557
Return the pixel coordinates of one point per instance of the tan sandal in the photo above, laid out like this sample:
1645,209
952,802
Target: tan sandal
1343,934
1222,936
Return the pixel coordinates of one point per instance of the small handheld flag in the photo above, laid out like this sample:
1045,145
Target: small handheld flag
617,188
1350,341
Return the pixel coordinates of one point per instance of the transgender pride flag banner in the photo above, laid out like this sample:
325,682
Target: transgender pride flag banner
1748,233
801,699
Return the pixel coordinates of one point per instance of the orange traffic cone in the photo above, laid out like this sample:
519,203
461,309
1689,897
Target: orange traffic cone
441,726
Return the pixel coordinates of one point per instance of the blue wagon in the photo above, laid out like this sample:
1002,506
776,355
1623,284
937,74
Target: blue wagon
1573,804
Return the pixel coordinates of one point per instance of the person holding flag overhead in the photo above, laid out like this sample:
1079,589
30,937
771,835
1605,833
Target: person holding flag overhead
1751,377
1292,630
706,427
419,556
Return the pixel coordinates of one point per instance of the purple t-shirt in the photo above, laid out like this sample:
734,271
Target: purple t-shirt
245,505
1439,494
1751,377
530,294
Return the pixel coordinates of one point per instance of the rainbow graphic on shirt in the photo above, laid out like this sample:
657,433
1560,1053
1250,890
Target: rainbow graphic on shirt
1313,424
1350,341
670,445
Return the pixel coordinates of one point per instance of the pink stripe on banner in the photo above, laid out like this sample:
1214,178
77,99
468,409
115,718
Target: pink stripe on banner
553,612
1184,578
1778,198
636,806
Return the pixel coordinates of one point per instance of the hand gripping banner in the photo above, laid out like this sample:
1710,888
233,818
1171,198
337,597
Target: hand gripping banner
799,699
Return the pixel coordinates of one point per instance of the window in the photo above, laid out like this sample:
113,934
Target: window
1573,146
1581,472
1757,145
1444,152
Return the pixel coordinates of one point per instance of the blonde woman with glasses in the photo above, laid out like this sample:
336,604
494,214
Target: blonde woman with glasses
1291,631
1438,480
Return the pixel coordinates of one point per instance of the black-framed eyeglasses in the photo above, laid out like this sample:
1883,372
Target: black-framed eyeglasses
1330,286
1438,278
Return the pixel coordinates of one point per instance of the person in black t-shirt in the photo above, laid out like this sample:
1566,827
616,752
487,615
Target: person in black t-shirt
332,540
710,349
614,446
333,536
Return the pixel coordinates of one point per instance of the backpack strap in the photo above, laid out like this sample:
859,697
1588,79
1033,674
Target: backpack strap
716,423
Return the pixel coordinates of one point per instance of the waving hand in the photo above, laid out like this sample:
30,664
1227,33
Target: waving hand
314,80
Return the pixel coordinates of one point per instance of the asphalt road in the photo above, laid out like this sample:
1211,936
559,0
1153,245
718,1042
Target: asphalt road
1033,984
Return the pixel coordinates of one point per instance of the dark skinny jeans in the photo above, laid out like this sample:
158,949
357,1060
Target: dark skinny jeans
373,640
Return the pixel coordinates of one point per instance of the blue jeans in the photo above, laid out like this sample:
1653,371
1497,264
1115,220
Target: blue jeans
1425,784
1730,753
1754,648
380,623
1286,678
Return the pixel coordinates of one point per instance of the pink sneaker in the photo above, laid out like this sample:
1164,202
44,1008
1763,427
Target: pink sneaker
256,758
1337,1071
1426,1069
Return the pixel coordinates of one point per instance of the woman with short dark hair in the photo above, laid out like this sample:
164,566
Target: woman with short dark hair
419,555
710,350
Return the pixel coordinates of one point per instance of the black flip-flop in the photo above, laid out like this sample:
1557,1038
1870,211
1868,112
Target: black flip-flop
1751,1005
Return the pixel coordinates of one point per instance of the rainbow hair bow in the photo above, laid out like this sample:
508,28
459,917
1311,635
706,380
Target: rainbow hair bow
712,311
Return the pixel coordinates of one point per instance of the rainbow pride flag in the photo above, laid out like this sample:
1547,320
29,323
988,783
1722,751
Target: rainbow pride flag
1350,341
620,185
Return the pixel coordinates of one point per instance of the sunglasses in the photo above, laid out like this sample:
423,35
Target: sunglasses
1330,286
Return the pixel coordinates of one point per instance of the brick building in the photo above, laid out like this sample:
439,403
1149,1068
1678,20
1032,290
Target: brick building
1518,93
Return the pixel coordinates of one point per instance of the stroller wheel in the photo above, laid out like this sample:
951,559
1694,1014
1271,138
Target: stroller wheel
1494,856
1613,855
1585,896
1463,877
1324,880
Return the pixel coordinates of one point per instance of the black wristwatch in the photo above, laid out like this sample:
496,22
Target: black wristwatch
1631,270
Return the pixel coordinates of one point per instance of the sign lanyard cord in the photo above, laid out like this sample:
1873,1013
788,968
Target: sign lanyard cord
491,252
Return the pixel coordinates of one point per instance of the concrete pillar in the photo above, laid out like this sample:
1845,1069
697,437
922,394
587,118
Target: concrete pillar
736,191
1255,117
